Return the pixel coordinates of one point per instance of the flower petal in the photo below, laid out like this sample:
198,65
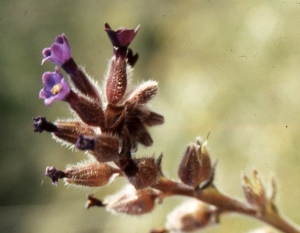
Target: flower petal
55,87
59,52
122,37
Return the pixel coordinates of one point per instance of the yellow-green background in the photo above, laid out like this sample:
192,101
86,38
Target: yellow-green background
231,68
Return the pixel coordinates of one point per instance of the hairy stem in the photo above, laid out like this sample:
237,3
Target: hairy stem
226,204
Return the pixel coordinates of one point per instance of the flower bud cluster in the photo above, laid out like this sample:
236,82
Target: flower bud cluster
110,125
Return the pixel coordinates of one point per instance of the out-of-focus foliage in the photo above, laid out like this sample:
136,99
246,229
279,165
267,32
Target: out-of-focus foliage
226,67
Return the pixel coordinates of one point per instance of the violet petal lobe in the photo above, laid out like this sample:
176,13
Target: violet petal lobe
122,37
55,87
59,52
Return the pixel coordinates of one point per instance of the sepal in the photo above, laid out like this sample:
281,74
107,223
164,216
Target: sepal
87,173
90,174
104,147
131,201
146,175
195,169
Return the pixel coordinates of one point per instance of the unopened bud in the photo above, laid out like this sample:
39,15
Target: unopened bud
190,215
143,93
116,82
131,201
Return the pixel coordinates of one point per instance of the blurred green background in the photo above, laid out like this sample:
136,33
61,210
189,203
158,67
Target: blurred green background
226,67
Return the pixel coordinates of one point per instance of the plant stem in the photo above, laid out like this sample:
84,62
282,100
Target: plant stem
226,204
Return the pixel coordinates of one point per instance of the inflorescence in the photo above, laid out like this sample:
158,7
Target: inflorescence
110,124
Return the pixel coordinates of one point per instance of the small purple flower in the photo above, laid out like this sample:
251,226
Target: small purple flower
55,87
122,37
59,52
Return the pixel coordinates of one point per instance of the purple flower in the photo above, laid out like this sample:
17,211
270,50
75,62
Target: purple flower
59,52
122,37
55,87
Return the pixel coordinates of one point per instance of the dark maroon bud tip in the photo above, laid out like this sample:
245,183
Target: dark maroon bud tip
54,174
85,143
40,124
132,58
92,201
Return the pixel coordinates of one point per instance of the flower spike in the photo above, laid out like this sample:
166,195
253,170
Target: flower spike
109,124
59,52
